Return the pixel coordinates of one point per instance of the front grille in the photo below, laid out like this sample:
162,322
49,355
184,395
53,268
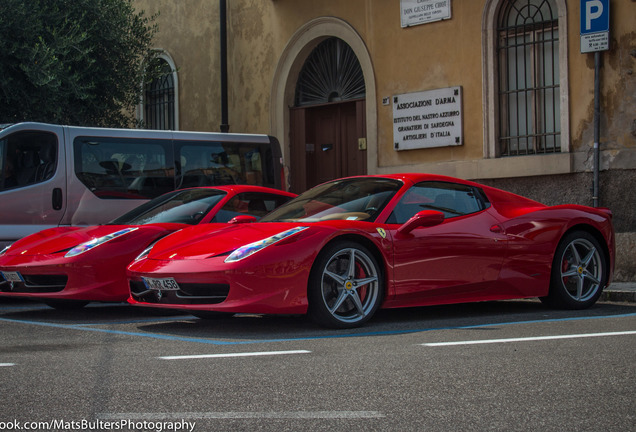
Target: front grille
36,284
194,294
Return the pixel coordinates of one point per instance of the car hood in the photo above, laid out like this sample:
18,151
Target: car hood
58,240
200,242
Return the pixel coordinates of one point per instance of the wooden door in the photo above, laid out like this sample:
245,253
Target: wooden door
325,143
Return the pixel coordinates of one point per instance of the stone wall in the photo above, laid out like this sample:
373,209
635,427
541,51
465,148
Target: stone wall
617,192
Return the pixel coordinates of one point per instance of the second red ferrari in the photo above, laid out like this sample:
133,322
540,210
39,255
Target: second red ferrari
70,266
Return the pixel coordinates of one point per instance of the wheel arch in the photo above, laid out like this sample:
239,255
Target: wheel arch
366,242
598,235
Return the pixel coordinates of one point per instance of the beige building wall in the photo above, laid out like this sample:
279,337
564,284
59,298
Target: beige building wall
189,34
436,55
268,41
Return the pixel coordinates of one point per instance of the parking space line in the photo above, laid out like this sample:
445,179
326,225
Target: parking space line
7,364
527,339
247,354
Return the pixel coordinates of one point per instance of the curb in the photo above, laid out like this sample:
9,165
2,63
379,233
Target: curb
620,292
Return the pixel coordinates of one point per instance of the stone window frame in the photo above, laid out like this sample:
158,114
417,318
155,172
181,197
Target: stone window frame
490,90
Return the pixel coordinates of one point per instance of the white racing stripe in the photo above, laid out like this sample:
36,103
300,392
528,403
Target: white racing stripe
527,339
226,355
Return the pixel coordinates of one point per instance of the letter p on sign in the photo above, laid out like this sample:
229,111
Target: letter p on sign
593,10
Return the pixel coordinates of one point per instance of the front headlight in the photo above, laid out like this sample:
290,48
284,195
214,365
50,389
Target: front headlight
252,248
86,246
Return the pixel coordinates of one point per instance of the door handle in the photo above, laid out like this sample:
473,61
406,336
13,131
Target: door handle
56,199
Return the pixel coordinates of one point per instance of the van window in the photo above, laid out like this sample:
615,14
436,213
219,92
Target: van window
27,158
209,163
120,168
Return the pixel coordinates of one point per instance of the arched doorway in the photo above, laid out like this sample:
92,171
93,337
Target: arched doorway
327,121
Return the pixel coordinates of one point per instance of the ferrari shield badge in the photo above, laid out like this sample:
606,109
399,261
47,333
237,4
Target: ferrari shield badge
381,232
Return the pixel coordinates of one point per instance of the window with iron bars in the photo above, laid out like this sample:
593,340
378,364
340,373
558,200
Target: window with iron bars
159,100
528,78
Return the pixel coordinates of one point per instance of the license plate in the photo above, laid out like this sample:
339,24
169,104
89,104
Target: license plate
12,276
165,284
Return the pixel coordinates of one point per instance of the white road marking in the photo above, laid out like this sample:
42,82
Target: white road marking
247,354
244,415
6,364
538,338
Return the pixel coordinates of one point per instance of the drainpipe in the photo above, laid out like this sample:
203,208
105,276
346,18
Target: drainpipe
225,127
597,122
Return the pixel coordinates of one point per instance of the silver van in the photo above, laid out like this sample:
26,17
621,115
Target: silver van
64,175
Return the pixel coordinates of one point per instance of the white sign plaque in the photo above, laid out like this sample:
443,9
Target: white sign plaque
414,12
595,42
427,119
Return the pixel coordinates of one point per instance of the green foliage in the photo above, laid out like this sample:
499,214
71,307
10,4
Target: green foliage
77,62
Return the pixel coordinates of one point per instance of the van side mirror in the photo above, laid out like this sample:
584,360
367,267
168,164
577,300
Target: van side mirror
241,219
425,218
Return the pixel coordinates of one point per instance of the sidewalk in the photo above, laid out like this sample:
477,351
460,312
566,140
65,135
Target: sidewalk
620,292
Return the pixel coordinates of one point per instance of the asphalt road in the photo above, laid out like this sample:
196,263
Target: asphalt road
511,365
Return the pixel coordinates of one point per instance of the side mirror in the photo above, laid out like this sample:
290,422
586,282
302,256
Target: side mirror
425,218
242,219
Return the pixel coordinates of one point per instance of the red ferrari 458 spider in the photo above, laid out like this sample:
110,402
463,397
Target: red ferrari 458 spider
70,266
347,247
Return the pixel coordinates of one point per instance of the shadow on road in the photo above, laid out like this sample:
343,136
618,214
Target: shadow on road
244,328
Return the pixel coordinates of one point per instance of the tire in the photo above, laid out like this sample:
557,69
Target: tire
342,295
579,272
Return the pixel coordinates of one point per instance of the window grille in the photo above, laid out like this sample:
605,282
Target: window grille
159,100
528,55
331,73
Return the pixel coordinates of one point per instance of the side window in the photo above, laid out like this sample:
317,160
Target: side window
451,199
27,158
124,168
250,203
208,163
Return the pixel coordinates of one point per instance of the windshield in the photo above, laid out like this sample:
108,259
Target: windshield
184,206
348,199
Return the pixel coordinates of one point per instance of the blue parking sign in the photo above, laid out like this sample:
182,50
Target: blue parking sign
594,16
594,25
